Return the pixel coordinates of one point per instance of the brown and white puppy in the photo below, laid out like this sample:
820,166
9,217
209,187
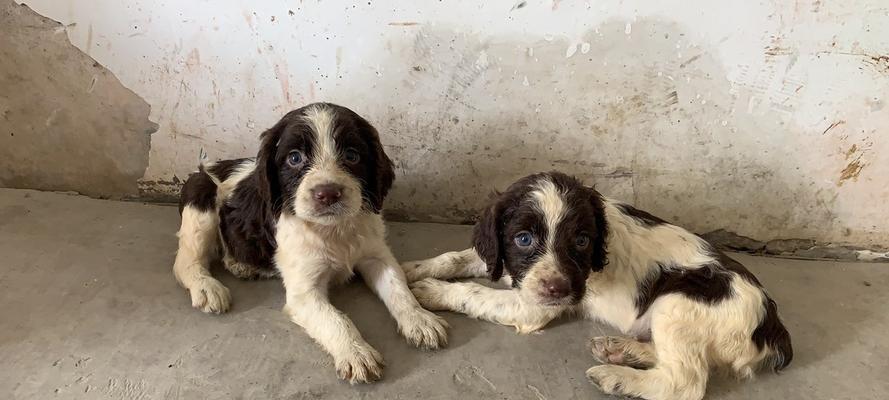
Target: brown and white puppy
307,209
563,247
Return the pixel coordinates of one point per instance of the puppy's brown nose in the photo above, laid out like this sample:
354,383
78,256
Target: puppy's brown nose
556,288
327,194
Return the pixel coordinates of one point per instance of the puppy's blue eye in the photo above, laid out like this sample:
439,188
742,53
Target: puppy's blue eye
581,241
351,156
524,239
294,158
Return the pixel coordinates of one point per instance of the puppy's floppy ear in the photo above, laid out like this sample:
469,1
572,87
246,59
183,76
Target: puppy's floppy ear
266,169
600,239
486,239
383,170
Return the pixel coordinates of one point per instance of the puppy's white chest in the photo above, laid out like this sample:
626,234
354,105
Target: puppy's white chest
339,255
326,251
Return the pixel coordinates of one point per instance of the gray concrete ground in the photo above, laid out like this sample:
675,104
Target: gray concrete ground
90,310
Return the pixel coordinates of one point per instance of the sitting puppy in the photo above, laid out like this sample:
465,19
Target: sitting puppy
686,306
306,209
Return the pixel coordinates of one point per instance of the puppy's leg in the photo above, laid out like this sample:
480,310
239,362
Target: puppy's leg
620,350
419,326
667,380
681,369
308,306
450,265
197,246
502,306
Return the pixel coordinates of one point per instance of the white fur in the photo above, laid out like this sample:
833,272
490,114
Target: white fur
454,264
505,307
225,188
325,169
200,243
311,257
314,252
689,337
197,247
548,201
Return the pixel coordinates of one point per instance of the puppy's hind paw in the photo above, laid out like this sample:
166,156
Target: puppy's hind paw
210,296
607,378
619,350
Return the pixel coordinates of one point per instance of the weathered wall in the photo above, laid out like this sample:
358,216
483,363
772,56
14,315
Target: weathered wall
765,118
66,122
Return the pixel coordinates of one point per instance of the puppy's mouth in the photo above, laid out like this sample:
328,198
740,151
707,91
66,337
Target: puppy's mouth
326,212
567,301
331,211
548,301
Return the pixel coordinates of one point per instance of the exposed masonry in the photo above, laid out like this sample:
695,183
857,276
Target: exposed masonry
794,248
66,121
163,192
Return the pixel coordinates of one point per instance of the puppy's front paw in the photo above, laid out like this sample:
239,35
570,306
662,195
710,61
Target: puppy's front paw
362,365
424,329
431,293
415,270
606,377
210,296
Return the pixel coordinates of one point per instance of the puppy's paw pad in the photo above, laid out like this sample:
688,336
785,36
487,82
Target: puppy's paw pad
210,296
363,365
608,349
425,330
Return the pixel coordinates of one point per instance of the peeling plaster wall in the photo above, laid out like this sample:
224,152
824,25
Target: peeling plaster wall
764,118
66,123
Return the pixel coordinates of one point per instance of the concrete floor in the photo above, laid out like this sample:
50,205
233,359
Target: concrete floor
90,309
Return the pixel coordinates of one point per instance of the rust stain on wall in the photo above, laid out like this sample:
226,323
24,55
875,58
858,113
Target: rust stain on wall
194,60
878,62
248,17
851,171
833,125
283,76
777,48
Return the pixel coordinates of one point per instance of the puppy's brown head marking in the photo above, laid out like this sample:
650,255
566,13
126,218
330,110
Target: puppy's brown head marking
548,232
323,162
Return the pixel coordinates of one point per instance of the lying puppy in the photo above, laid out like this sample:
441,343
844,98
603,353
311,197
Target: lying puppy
686,306
306,209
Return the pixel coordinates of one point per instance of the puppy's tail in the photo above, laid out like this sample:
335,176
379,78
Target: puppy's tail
203,169
772,337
